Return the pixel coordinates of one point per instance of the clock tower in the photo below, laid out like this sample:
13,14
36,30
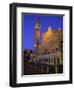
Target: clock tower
37,34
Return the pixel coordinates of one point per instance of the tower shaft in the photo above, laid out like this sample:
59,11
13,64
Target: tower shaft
37,34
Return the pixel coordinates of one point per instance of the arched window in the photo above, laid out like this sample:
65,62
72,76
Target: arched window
49,60
58,60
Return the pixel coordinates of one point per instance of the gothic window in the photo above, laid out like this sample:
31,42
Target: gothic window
58,60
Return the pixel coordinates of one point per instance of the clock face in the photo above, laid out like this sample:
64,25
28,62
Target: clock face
37,26
35,45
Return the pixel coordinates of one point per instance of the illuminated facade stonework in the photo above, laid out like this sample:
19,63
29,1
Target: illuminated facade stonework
51,41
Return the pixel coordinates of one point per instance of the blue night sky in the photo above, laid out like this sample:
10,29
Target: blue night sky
55,21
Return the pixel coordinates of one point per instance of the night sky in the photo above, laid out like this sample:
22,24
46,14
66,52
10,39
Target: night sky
55,21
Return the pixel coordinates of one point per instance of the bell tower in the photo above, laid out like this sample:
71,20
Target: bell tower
37,33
